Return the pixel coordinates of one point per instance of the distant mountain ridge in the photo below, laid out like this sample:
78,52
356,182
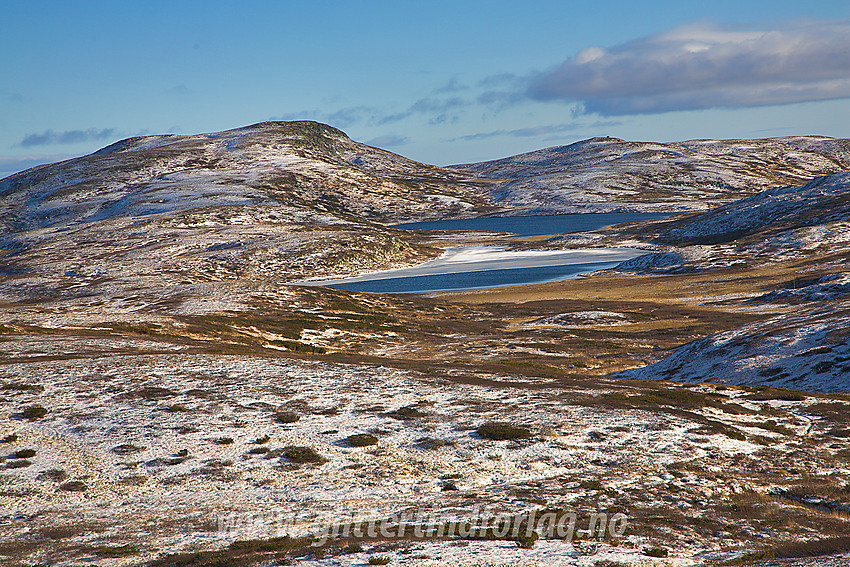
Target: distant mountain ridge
610,174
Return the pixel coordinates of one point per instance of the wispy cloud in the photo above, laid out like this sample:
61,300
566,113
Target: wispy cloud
536,131
451,86
51,138
705,66
438,110
388,141
340,118
11,96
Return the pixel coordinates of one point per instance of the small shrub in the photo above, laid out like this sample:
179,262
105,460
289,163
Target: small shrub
380,560
353,548
262,440
258,450
502,432
18,464
733,433
406,412
224,441
655,551
73,486
116,550
286,417
448,486
34,413
591,484
126,449
362,440
276,544
178,408
24,453
56,475
10,438
302,455
525,539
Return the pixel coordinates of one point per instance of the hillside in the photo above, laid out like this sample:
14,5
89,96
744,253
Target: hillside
273,201
607,174
299,167
804,344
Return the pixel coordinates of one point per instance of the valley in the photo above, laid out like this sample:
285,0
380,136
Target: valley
700,386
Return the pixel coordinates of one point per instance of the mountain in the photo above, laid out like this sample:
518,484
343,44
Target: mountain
608,174
280,200
299,167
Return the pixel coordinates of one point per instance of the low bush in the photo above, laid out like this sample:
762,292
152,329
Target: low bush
525,539
224,441
127,449
115,550
24,453
405,413
34,413
655,551
502,432
286,417
591,484
362,440
56,475
302,455
380,560
73,486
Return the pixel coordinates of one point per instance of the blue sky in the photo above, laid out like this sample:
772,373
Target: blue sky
441,82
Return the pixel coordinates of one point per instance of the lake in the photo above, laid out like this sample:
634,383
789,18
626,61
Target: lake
480,267
479,279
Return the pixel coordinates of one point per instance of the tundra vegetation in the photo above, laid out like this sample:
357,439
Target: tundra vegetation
161,375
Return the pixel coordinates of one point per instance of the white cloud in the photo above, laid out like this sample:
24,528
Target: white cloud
705,66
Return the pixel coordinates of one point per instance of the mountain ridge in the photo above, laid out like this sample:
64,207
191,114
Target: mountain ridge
606,174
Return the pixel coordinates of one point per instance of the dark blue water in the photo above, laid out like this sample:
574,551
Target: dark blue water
536,225
473,280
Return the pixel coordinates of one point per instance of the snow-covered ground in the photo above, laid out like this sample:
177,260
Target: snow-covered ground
184,452
608,174
478,258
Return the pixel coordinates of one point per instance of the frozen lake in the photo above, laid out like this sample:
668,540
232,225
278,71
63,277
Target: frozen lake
479,267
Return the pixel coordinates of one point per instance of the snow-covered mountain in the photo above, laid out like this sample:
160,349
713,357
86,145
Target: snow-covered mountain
301,168
606,174
276,200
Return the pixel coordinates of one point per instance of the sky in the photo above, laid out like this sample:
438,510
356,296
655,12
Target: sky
443,82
